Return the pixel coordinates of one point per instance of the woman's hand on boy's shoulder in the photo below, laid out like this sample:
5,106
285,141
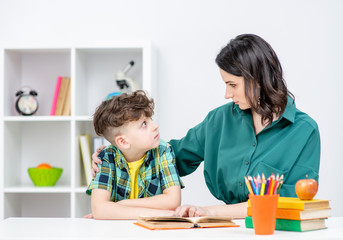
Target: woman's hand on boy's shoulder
96,160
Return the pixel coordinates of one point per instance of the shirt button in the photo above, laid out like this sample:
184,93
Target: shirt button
253,144
240,184
246,162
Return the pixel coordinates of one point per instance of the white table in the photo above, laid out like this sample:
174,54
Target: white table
79,228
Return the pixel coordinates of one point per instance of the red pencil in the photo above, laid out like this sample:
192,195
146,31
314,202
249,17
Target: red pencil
272,183
269,185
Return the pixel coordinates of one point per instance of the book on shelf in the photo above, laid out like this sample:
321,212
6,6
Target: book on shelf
67,102
172,222
293,225
85,143
62,95
55,97
296,214
296,203
61,100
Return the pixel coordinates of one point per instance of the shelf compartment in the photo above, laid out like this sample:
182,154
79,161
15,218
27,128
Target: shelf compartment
82,127
95,72
37,68
37,205
29,144
82,204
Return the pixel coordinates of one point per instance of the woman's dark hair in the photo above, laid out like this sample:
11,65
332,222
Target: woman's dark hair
251,57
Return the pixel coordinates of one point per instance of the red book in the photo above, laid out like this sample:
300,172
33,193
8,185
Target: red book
54,101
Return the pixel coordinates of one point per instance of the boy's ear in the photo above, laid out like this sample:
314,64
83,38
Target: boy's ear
121,142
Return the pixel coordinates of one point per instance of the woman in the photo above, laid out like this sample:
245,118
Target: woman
260,131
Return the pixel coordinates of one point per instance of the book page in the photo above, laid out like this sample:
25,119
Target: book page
166,219
212,219
205,219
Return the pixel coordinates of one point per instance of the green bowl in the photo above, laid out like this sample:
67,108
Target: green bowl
45,177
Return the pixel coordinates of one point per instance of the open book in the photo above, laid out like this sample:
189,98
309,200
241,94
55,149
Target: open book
159,223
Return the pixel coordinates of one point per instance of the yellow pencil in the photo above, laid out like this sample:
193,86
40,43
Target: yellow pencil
263,184
248,185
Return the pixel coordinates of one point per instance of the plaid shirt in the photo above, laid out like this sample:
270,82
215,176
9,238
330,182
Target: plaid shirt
157,173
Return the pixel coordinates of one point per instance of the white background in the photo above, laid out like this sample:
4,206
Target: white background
306,35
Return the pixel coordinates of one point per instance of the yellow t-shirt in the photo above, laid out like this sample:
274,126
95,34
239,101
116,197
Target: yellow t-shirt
134,171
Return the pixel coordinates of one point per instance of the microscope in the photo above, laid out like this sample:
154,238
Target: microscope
126,84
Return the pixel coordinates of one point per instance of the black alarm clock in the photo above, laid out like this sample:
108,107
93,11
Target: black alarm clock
27,103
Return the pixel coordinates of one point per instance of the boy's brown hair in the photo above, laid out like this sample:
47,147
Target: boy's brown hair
122,109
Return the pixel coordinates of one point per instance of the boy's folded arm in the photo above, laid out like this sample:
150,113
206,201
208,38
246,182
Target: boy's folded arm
170,199
104,208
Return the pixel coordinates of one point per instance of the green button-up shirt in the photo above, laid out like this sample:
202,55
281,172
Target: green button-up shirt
227,143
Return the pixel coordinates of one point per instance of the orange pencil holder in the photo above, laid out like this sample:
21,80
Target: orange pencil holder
264,213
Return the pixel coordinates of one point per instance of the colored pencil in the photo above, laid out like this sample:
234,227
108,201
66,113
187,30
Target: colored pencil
267,186
279,187
272,182
263,184
275,187
252,184
248,185
259,184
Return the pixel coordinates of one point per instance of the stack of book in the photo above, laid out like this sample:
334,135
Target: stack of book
297,215
61,100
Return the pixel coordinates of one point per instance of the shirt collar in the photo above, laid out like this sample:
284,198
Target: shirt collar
290,110
121,161
288,114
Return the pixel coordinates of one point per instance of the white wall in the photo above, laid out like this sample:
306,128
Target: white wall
307,36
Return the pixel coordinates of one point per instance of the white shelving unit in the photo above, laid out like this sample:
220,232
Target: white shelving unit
27,141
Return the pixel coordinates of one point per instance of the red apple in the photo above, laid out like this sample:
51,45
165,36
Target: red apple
306,189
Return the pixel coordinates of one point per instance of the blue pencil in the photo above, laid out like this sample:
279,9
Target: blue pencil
252,184
258,184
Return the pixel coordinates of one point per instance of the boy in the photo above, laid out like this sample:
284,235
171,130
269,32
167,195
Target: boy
138,175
